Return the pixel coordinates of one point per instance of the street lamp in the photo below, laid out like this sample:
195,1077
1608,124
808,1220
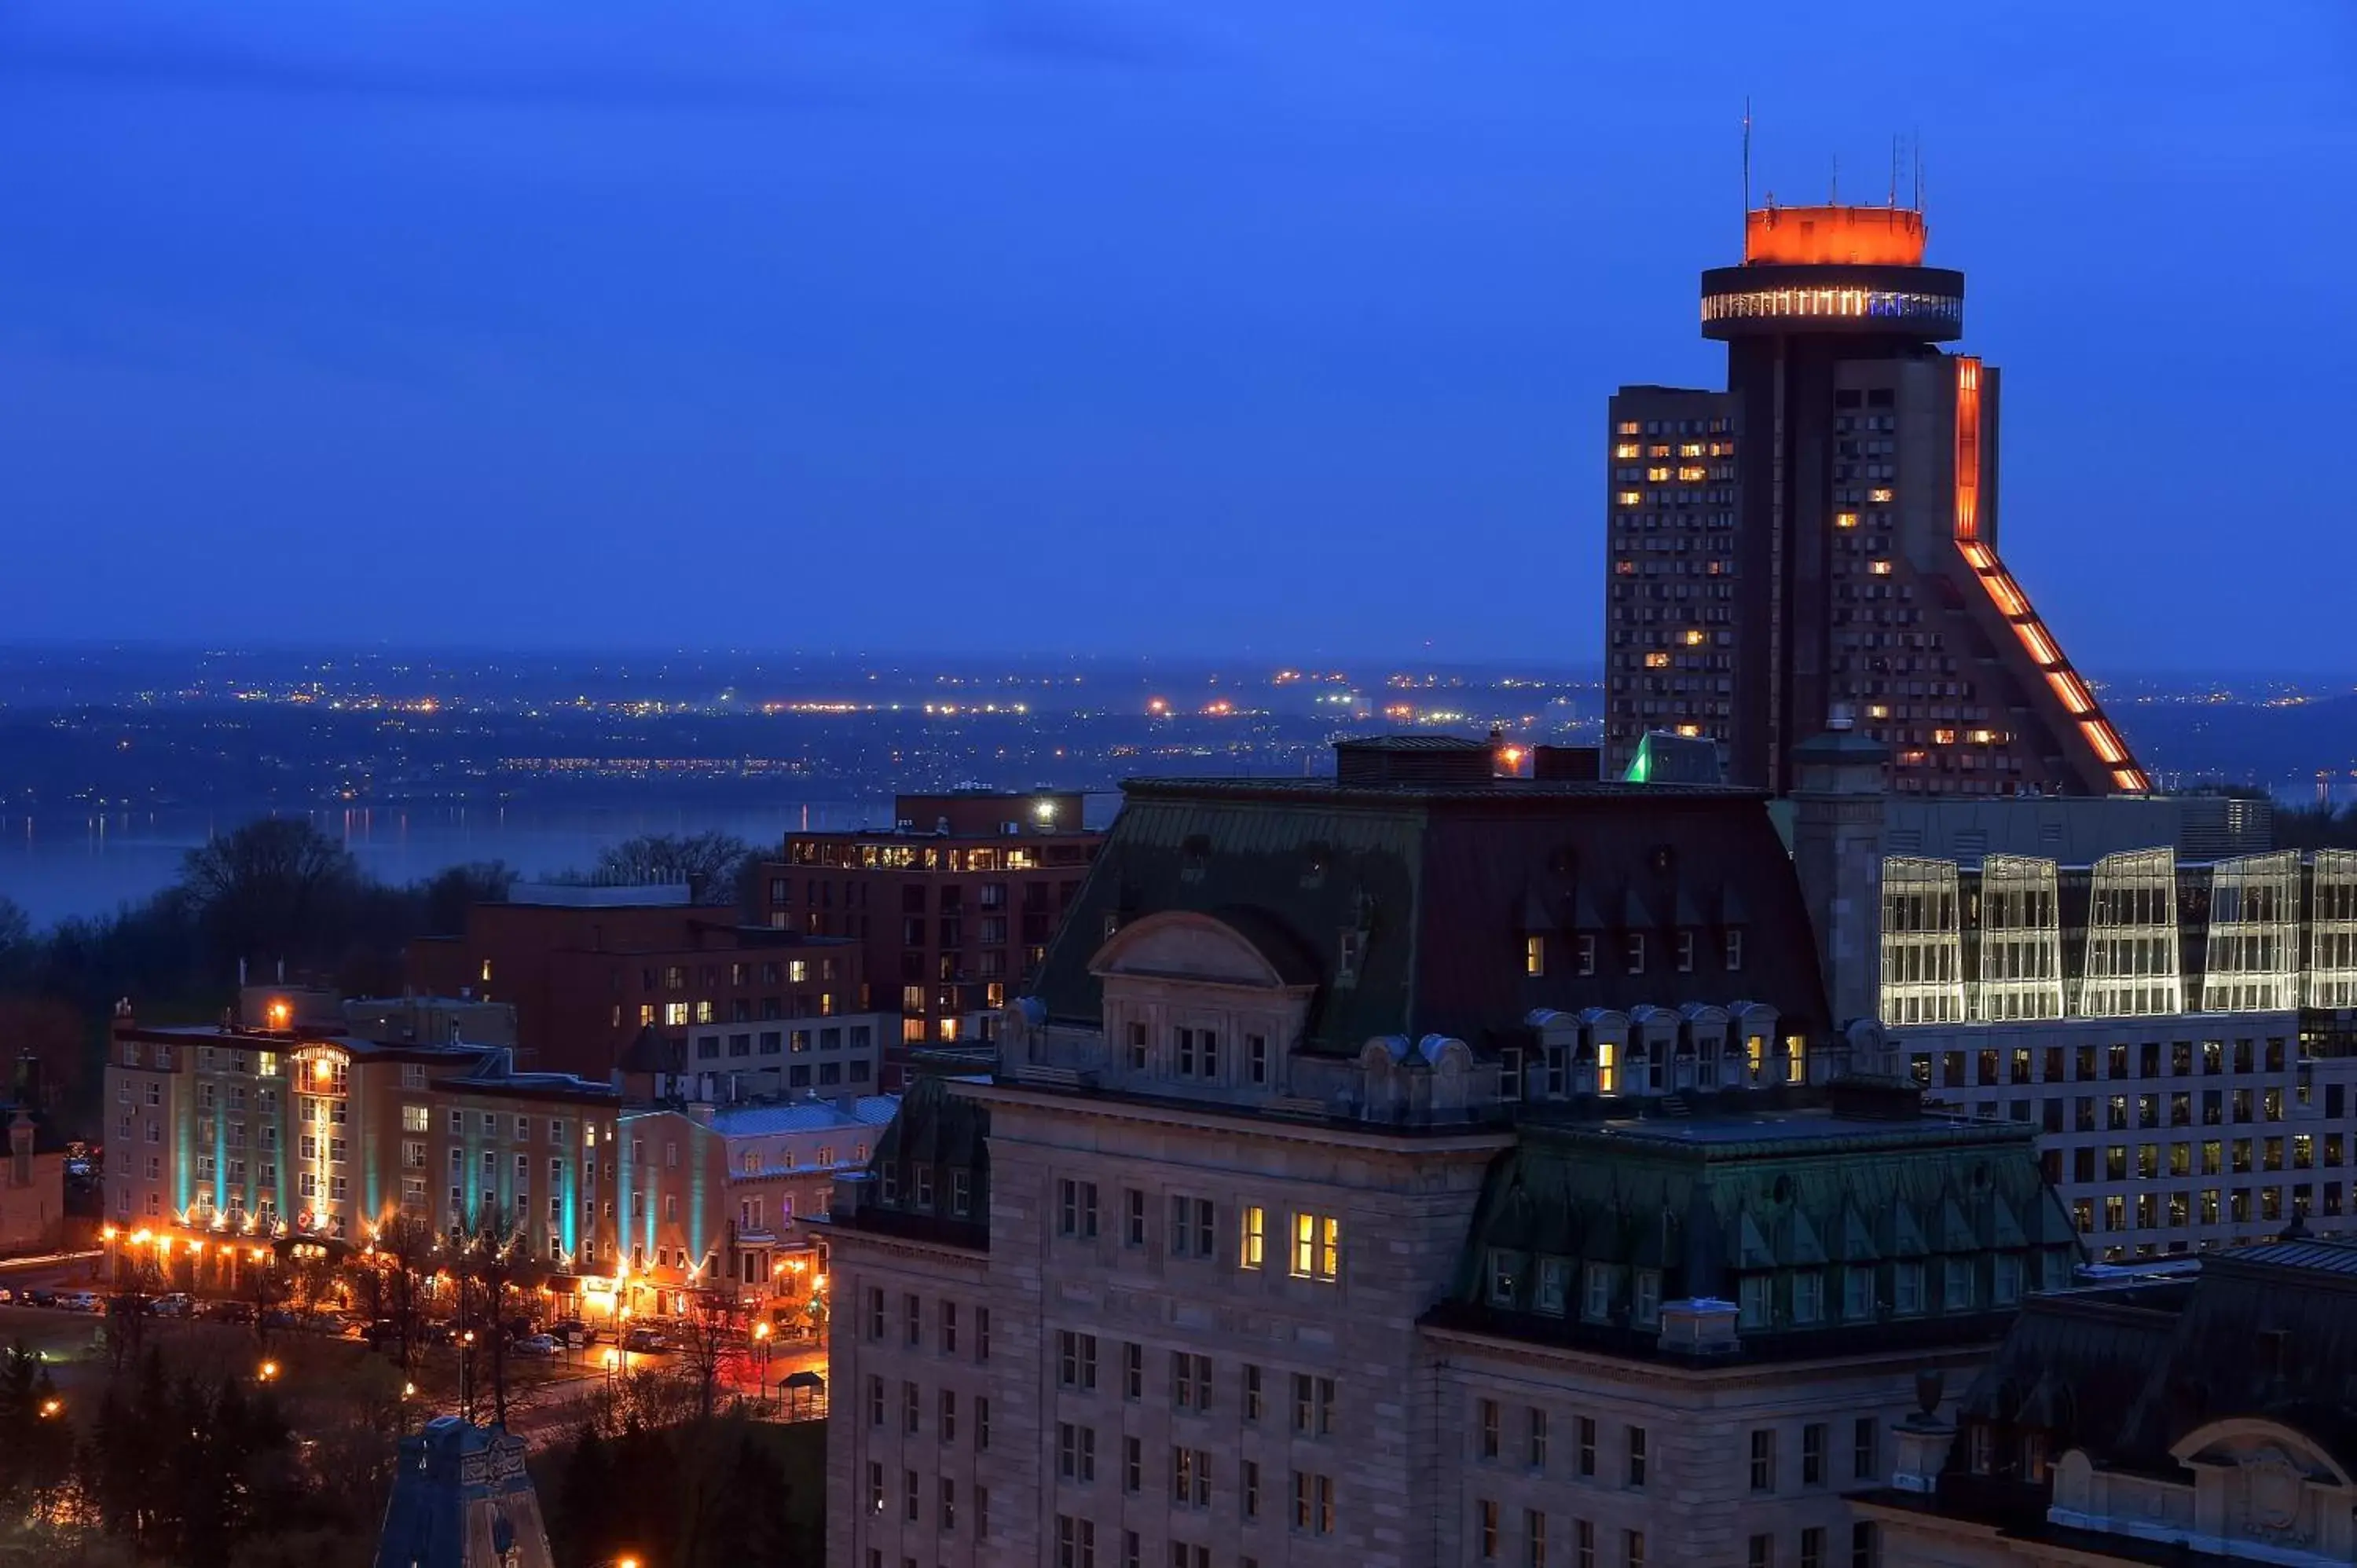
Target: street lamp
269,1371
51,1409
761,1340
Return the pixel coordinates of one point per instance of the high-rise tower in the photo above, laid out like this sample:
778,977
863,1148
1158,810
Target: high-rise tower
1818,542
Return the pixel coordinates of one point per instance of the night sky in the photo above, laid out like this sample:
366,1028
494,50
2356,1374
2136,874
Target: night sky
1228,328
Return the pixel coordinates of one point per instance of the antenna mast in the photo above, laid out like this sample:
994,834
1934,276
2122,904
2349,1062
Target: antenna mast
1746,158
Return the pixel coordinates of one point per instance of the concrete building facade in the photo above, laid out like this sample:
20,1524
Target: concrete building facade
1329,1206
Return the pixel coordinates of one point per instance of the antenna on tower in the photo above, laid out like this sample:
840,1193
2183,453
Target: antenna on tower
1746,157
1915,143
1835,196
1894,168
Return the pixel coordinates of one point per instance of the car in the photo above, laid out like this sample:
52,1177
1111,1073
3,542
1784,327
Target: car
279,1317
535,1345
38,1298
645,1340
176,1305
5,1295
226,1311
82,1301
573,1331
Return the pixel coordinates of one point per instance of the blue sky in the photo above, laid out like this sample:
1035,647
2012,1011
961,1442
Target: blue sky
1107,325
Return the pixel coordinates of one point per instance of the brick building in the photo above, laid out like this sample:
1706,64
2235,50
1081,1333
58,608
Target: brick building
591,969
1415,1167
952,906
32,1168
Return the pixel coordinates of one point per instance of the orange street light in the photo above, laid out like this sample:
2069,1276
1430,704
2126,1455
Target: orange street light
269,1371
51,1407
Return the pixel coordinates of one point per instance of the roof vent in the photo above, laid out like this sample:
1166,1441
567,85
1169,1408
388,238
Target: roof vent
1427,760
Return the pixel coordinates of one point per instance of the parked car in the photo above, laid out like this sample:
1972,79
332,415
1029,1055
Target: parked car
644,1339
38,1298
279,1317
82,1301
535,1345
573,1331
176,1305
5,1295
226,1311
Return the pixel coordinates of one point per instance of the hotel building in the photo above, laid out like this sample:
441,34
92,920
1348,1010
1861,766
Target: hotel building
1416,1167
1821,538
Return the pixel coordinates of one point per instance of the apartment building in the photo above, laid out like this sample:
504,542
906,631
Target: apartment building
1413,1168
953,905
593,971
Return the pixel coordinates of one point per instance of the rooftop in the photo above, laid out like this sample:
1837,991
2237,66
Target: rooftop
804,1116
573,895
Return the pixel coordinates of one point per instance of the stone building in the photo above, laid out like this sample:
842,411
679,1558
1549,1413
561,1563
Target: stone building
1415,1167
32,1170
2205,1418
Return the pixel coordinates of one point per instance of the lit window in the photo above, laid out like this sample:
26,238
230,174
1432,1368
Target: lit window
1880,568
1796,1060
1879,496
1533,955
1317,1247
1657,662
1624,449
1694,473
1695,637
1845,520
1256,1237
1629,498
1608,1066
1877,711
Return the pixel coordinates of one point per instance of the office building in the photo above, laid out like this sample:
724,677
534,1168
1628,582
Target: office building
1820,539
2181,1034
592,972
953,905
2203,1419
1414,1167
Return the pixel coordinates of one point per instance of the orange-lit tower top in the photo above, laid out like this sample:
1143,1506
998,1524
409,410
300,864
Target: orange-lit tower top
1850,270
1833,236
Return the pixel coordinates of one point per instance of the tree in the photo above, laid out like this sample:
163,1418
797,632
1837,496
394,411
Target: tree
130,1309
448,893
275,888
405,1243
713,1346
494,1263
708,861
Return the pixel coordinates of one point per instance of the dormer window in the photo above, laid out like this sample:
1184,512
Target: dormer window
1596,1304
1257,1059
1636,952
1554,1287
1608,1066
1353,948
1734,952
1504,1276
1534,955
1645,1302
1984,1448
1587,955
1796,1060
961,1194
1751,1298
1138,1046
891,1185
1685,952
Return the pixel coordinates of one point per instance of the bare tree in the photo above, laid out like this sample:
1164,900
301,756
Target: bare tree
713,1346
130,1307
494,1264
708,863
267,1284
405,1243
273,887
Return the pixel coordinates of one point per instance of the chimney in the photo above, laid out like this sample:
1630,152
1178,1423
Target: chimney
1837,809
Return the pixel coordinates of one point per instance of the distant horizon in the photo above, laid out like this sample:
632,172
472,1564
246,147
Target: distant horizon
1262,662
